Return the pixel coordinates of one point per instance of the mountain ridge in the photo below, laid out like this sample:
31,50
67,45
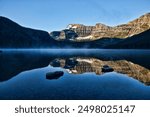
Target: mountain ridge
123,31
13,35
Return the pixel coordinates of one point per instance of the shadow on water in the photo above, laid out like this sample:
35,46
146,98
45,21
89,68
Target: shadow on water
67,71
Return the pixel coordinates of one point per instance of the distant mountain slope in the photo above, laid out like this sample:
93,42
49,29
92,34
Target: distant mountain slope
14,35
99,31
141,40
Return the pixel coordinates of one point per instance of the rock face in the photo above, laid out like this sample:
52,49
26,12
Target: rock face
81,30
64,35
14,35
121,31
95,65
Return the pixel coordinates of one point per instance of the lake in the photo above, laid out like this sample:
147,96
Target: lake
98,74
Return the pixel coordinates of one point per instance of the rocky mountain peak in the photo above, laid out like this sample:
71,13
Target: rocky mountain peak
100,25
144,19
146,15
100,30
74,26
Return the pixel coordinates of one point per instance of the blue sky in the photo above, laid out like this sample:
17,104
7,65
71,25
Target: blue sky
52,15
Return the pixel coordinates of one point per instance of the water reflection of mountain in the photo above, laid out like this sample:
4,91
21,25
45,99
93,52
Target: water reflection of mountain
82,65
15,63
12,62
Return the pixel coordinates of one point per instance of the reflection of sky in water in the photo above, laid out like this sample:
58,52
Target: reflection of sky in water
32,84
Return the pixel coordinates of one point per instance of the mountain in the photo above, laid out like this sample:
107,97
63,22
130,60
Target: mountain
63,35
14,35
135,34
141,41
99,31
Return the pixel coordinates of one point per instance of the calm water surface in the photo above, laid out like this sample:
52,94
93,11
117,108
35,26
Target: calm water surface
23,74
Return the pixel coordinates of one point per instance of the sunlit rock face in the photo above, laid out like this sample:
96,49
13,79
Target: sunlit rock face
81,29
103,31
83,65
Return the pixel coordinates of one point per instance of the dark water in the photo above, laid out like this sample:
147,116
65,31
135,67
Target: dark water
23,74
